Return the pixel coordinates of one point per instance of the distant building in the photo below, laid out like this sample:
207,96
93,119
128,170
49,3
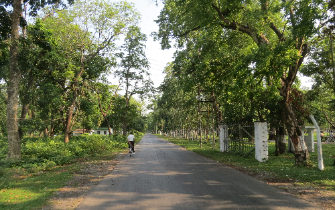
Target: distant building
78,132
102,131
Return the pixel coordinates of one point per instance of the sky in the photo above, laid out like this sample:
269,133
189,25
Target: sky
157,57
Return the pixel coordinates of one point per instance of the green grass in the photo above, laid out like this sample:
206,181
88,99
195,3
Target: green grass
280,167
27,184
32,191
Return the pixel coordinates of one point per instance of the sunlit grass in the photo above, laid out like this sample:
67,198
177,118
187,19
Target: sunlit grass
22,189
280,167
31,191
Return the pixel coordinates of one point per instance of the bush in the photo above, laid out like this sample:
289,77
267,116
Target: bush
2,171
46,153
48,165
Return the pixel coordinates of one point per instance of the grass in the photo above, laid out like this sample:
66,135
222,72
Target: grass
23,188
31,191
279,167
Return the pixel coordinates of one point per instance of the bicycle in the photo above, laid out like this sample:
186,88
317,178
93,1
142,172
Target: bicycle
131,149
330,139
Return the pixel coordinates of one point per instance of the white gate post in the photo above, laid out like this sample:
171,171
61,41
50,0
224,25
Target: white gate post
224,147
261,141
309,139
221,138
318,137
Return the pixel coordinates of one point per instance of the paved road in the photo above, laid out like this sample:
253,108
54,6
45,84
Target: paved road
164,176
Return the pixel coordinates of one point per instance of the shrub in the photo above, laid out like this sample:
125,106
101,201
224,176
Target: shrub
2,171
48,165
46,153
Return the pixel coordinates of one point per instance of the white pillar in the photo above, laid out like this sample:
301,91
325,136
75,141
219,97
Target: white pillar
309,139
223,138
318,137
261,141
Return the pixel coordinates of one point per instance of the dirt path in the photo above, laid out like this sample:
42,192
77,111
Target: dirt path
70,196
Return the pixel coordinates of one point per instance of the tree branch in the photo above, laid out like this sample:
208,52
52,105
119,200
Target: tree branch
187,32
279,34
228,24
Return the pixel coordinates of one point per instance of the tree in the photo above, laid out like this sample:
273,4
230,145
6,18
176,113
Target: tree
14,142
135,118
14,75
280,31
133,69
99,25
321,68
106,99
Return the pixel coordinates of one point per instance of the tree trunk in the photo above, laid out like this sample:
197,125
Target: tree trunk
273,133
23,117
280,141
69,114
216,108
14,141
294,132
109,127
45,132
67,127
25,100
124,122
52,127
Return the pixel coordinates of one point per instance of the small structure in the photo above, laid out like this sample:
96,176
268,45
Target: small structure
309,139
224,145
261,141
78,132
102,131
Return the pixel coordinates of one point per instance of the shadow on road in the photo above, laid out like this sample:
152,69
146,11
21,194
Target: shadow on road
164,176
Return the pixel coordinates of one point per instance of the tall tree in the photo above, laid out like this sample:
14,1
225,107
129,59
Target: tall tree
14,141
280,29
100,23
321,67
106,96
16,19
133,69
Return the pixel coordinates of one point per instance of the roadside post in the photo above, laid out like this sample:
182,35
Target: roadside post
261,141
318,137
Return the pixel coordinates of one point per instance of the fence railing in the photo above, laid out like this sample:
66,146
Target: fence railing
240,138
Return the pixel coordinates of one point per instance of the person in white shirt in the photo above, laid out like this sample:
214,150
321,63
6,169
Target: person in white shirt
131,141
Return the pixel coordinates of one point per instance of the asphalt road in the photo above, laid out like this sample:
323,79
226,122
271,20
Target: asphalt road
164,176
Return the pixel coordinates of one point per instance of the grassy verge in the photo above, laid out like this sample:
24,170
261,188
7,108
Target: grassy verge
281,168
27,184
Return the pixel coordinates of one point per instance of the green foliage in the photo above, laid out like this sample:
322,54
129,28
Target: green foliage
135,119
2,171
243,52
45,153
23,185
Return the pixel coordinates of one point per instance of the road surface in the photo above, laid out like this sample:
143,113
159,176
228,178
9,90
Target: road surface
164,176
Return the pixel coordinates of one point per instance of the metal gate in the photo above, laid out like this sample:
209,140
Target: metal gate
240,138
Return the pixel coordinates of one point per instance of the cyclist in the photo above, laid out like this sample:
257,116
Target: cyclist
131,142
